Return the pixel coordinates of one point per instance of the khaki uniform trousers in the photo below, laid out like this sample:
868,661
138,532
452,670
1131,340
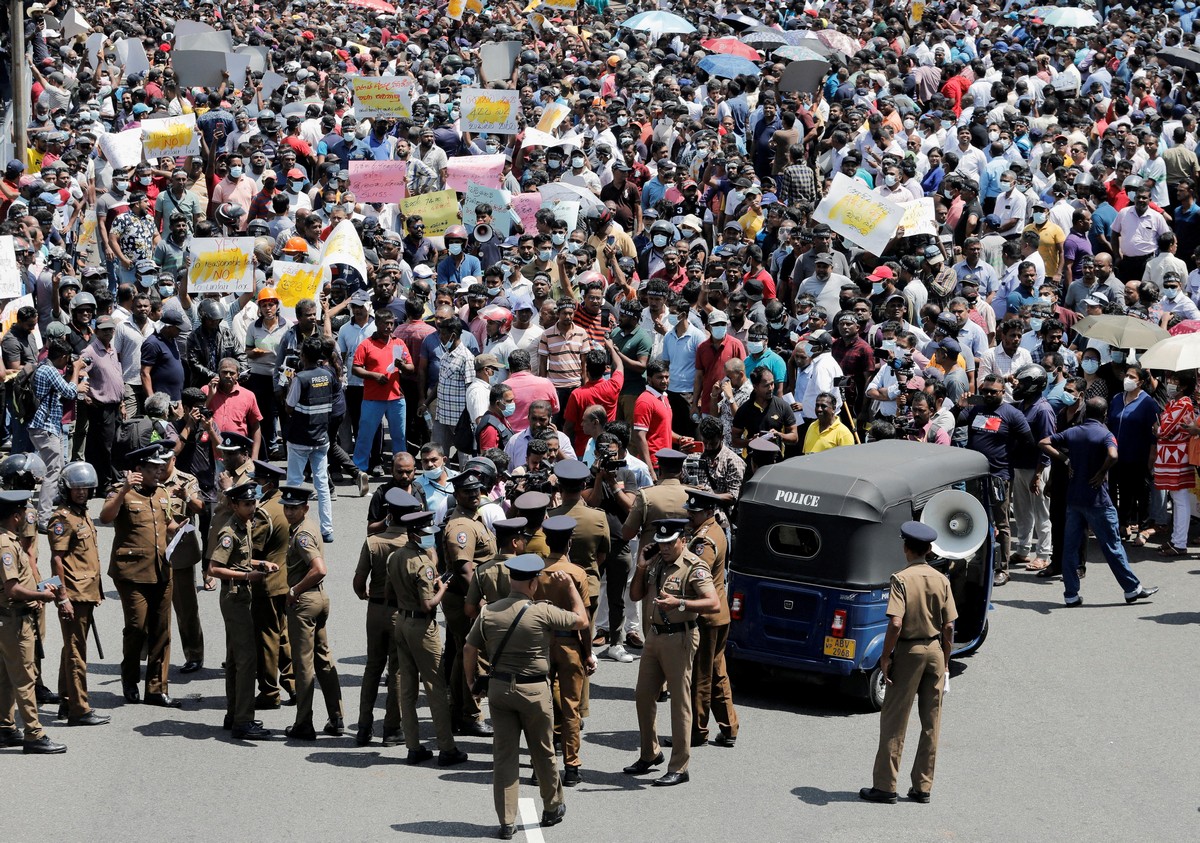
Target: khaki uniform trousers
17,674
312,659
711,690
568,676
72,667
918,668
381,653
418,653
667,658
463,705
187,613
517,708
240,666
271,627
147,608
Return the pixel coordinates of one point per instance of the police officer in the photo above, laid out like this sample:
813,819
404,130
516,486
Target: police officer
412,572
270,534
467,543
308,615
231,560
675,586
140,511
590,541
371,584
234,450
491,582
711,689
18,599
75,560
915,663
532,507
515,634
186,499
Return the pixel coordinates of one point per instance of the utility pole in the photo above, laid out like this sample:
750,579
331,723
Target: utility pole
18,74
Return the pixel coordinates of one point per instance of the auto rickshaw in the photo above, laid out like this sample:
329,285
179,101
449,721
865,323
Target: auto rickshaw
817,542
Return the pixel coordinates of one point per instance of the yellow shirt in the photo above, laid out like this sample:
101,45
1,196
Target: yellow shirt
751,224
1050,246
816,440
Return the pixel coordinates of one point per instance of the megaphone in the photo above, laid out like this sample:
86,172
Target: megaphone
483,232
961,523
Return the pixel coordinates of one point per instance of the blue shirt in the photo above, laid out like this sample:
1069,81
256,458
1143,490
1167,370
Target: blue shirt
349,337
680,353
995,434
166,369
1086,446
1133,425
449,272
1102,221
770,360
437,497
431,350
989,179
49,389
652,192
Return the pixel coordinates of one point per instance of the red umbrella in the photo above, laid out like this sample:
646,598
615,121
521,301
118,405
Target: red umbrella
731,47
377,5
1188,326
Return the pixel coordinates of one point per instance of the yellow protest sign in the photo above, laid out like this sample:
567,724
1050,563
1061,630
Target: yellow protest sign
552,115
853,211
295,281
170,137
485,110
475,6
383,96
439,210
455,9
561,5
221,265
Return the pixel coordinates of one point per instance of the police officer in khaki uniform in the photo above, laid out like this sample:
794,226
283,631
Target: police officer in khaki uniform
231,560
491,582
711,690
75,560
571,658
371,584
675,586
308,615
916,664
532,507
515,634
140,511
186,500
270,533
412,572
18,600
234,451
467,543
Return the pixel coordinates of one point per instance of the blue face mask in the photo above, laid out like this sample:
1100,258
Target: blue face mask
427,542
1068,399
509,409
432,473
755,347
1090,366
455,248
166,292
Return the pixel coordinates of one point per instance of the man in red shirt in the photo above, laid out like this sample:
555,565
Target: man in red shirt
235,408
711,357
652,418
527,388
380,360
672,272
597,390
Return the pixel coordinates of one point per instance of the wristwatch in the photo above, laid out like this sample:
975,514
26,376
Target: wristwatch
682,605
291,592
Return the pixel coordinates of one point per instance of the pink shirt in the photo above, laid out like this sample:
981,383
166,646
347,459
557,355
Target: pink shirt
106,378
235,411
241,193
527,388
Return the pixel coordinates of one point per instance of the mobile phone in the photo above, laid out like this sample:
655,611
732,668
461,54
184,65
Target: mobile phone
976,401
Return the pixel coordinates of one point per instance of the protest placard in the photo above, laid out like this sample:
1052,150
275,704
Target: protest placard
382,96
477,194
526,206
88,245
123,149
132,55
552,115
343,246
379,181
566,210
198,68
918,217
439,210
863,217
295,281
93,44
560,5
74,24
482,169
10,271
8,318
498,60
455,9
170,137
190,27
485,110
221,265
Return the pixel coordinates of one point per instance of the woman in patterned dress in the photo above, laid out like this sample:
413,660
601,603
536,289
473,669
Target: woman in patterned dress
1172,471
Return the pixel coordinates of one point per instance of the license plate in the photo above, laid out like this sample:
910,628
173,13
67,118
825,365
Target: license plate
839,648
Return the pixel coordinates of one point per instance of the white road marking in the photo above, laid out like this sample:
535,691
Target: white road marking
530,820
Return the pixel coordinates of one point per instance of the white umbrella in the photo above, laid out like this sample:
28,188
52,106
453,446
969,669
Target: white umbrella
1121,331
657,21
1070,17
563,192
1177,354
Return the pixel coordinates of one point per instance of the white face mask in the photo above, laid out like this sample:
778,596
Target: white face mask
1039,218
1170,293
993,136
660,240
909,125
719,331
1130,384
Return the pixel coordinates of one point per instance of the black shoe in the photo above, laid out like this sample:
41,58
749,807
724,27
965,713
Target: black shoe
554,817
45,696
1049,571
1082,571
191,667
252,731
132,694
418,756
265,703
301,733
883,797
362,737
11,737
335,728
671,779
327,538
63,711
664,696
1000,578
163,700
478,728
1142,594
506,832
450,759
642,766
697,740
725,740
43,746
89,719
571,777
393,738
227,723
917,796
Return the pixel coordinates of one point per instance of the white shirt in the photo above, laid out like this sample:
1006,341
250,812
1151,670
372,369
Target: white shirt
1009,206
518,448
996,362
822,372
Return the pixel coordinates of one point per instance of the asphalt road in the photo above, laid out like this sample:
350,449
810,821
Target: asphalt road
1066,725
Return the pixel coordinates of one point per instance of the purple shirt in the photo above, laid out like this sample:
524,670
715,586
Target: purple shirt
106,376
1074,248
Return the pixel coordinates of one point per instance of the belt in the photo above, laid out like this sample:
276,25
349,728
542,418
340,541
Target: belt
379,601
16,612
521,679
925,640
425,616
672,628
572,634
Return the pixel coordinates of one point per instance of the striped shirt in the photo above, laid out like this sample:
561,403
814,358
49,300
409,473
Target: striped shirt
49,388
457,371
564,364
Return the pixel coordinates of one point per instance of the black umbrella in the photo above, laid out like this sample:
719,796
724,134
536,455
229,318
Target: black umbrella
763,39
741,21
1181,58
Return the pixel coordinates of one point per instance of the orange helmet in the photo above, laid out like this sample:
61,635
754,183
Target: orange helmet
267,294
296,244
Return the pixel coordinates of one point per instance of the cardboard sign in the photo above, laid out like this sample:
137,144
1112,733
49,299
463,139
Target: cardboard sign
863,217
439,210
258,56
526,206
215,41
11,284
8,316
190,27
74,24
94,42
170,137
560,5
566,210
379,181
485,110
198,68
343,246
221,265
482,169
918,217
552,116
132,56
123,149
389,96
295,281
498,60
477,194
456,8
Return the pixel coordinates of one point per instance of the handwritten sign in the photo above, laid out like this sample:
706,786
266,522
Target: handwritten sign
566,210
10,272
485,110
123,149
295,281
552,115
439,210
8,317
379,96
87,244
560,5
482,169
863,217
379,181
526,206
455,9
170,137
221,265
918,217
477,194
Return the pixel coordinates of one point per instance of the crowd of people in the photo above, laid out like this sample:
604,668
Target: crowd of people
594,388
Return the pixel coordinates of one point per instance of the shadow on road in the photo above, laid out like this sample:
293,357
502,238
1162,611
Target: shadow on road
625,740
357,760
1042,607
608,692
180,729
1174,618
817,796
594,780
446,829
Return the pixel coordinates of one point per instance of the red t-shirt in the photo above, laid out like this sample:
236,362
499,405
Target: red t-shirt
768,283
234,412
710,363
604,392
652,414
381,356
489,437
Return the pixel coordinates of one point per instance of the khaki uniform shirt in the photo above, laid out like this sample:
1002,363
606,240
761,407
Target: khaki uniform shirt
589,543
302,549
466,540
14,565
665,500
223,512
73,537
139,552
558,562
181,488
708,543
412,572
687,577
920,596
270,532
232,548
490,583
527,652
372,561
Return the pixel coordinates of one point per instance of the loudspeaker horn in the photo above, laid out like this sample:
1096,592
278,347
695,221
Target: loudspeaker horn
483,232
961,523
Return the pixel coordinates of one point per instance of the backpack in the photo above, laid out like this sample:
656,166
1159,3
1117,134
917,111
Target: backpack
24,401
131,434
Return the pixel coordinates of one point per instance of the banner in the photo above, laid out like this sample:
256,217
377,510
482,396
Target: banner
485,110
343,246
560,5
477,194
439,210
123,149
526,206
379,181
498,60
170,137
376,96
482,169
456,8
863,217
918,217
8,318
552,115
295,281
221,265
10,271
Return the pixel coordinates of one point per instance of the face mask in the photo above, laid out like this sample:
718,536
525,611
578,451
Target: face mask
1118,357
1131,195
946,124
572,246
1170,293
1091,366
672,319
235,172
553,163
492,292
427,542
432,473
659,240
510,408
755,347
492,147
146,180
329,207
909,125
1038,218
1006,186
1068,399
623,120
122,185
506,270
993,136
719,331
808,349
165,292
545,254
1172,390
558,239
295,186
877,288
577,162
889,180
1035,324
777,326
455,248
1130,384
1006,143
